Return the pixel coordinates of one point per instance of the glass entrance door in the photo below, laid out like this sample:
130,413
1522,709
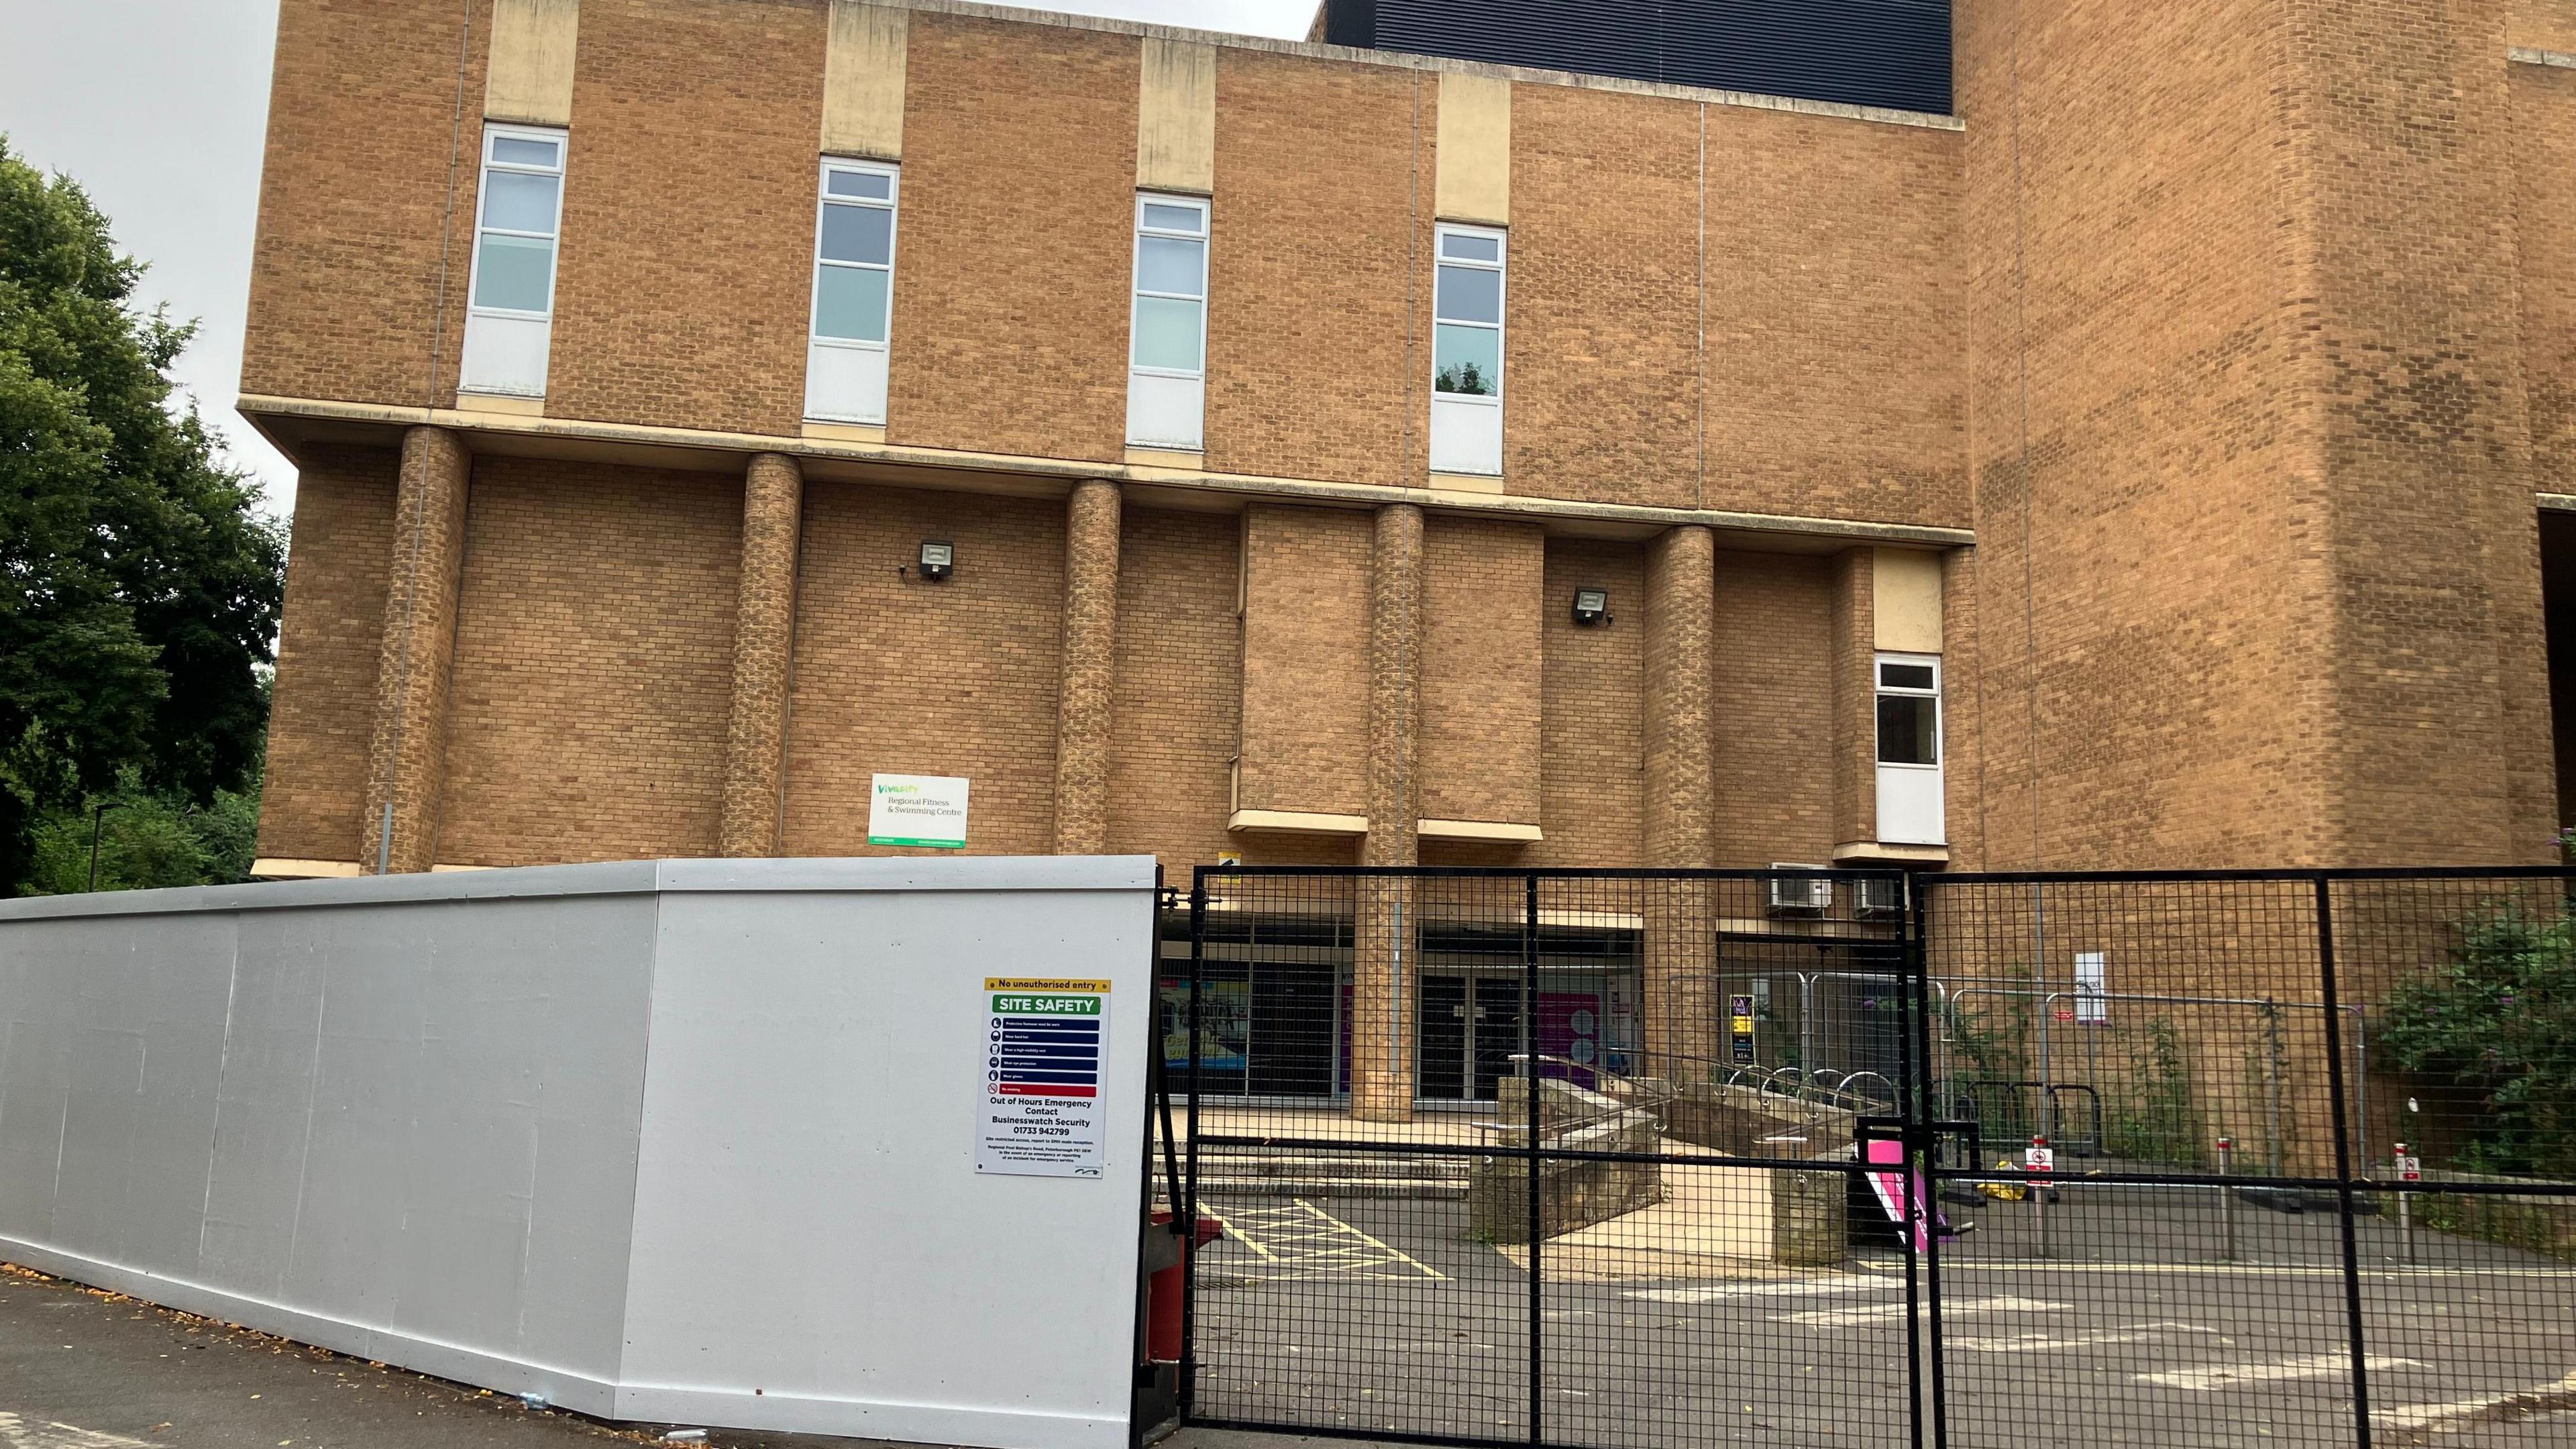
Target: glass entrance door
1470,1031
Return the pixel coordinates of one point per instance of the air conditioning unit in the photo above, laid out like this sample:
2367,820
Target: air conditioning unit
1800,895
1878,897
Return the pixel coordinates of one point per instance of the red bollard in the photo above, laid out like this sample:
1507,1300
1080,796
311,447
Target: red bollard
1165,1292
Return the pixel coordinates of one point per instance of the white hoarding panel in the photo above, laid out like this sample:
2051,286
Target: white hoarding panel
411,1118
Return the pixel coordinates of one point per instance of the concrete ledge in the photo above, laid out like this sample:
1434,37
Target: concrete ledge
1861,852
2530,55
287,421
1297,822
844,432
278,867
501,403
1478,830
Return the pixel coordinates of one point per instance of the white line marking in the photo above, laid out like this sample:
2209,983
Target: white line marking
2042,1343
19,1434
1303,1241
2383,1275
2314,1366
1855,1315
2425,1416
1768,1288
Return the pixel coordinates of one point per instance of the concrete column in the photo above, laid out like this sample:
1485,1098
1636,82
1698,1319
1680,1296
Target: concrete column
764,640
1385,982
1678,1013
408,746
1085,695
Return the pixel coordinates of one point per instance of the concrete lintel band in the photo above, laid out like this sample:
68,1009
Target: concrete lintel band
764,639
1086,694
865,51
1473,180
1905,600
1176,117
408,741
529,78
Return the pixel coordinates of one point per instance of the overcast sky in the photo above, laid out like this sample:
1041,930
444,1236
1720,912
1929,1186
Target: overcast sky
159,107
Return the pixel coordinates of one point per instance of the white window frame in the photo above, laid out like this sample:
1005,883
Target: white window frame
1878,679
1486,456
1881,689
1136,276
871,409
493,134
1167,406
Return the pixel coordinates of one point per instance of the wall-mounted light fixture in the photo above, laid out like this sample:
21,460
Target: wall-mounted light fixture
938,557
1591,608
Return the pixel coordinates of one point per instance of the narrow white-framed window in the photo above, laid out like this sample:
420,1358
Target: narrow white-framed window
518,225
853,314
1167,326
1467,351
1909,750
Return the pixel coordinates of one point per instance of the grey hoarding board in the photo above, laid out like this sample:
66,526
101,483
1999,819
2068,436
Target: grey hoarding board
414,1118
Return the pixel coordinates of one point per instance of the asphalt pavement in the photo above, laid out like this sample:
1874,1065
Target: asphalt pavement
80,1369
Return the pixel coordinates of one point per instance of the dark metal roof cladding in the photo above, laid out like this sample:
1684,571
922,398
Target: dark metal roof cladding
1893,53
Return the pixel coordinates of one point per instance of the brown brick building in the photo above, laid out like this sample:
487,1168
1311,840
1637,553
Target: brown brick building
2147,465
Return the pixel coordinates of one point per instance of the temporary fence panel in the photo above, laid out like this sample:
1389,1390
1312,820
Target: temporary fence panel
1546,1198
1841,1158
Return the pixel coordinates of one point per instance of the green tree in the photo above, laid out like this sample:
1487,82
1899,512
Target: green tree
2497,1023
142,586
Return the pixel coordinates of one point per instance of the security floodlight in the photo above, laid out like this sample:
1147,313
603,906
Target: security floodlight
937,557
1591,607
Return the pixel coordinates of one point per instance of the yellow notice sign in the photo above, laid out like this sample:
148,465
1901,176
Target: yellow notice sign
1042,983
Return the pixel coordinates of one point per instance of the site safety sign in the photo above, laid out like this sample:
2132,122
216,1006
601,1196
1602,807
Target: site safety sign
1045,1041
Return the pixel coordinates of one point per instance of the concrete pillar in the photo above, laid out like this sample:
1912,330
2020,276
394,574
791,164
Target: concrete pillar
1678,1012
1085,694
408,746
764,640
1385,982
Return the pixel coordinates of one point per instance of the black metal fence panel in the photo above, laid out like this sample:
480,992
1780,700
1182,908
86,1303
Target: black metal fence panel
1629,1158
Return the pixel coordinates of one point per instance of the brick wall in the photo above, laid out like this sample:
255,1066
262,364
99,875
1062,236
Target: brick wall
1483,667
1775,729
1963,696
1015,263
2148,495
1592,729
594,664
1178,686
1600,378
689,196
2542,24
311,802
901,676
1318,256
1837,289
1305,660
2434,540
2544,128
346,272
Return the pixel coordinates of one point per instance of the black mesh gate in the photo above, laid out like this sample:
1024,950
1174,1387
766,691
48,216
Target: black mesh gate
1849,1158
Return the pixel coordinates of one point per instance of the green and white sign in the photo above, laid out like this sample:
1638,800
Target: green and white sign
918,810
